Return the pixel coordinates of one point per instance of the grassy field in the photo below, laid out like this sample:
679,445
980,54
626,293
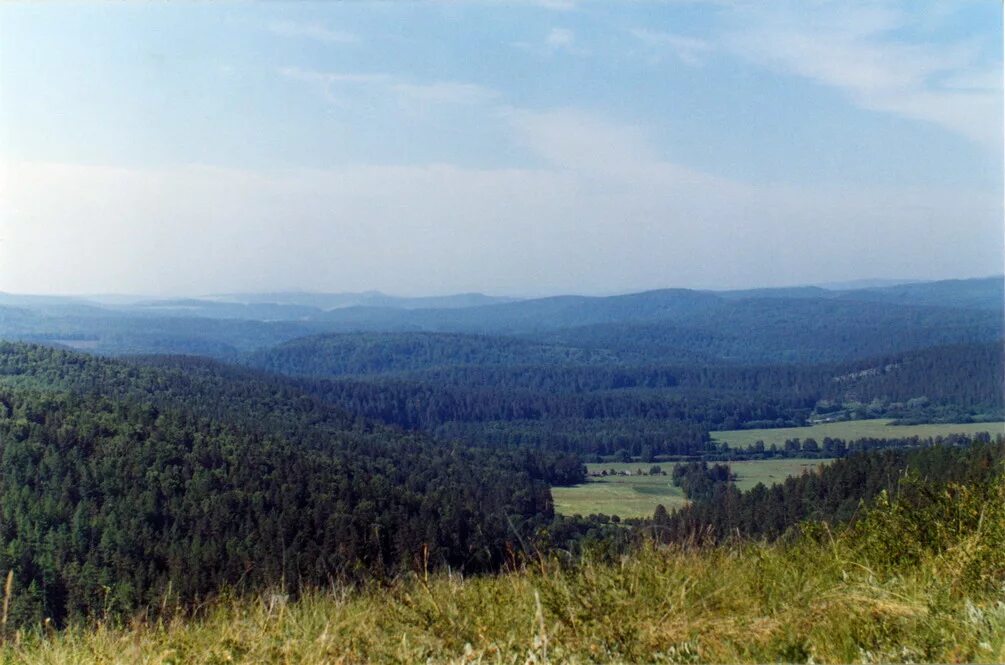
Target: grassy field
638,496
625,496
849,430
838,599
771,471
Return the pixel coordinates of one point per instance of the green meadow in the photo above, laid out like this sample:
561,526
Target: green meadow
625,496
849,430
638,495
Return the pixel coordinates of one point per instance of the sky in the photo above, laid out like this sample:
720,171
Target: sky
520,148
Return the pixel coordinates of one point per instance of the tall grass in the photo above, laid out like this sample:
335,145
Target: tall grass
914,581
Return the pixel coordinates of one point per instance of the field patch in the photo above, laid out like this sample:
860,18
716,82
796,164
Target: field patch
849,430
770,471
625,496
635,495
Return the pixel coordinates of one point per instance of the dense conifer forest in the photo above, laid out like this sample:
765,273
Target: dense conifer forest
296,458
121,481
834,495
126,480
606,406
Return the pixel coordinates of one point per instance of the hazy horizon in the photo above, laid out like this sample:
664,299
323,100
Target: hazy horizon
841,285
524,149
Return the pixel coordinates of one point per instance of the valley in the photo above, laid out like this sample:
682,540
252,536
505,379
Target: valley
530,332
210,455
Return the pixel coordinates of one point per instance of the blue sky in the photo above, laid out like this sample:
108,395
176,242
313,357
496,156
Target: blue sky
525,148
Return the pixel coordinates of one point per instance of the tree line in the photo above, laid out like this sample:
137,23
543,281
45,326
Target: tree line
833,493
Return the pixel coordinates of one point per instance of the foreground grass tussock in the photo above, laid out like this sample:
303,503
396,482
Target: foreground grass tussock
938,596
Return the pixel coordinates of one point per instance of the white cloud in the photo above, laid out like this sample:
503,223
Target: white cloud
859,51
984,80
605,212
557,5
556,39
689,50
560,38
573,140
314,31
324,83
333,77
445,92
407,92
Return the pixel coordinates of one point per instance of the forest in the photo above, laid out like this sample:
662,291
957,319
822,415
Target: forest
125,478
297,456
120,480
602,407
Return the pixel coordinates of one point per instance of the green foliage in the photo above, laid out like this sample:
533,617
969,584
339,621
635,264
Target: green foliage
381,353
508,392
120,483
834,493
699,481
930,519
826,597
651,372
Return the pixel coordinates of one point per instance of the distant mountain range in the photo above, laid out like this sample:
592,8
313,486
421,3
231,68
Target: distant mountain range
795,324
292,305
326,301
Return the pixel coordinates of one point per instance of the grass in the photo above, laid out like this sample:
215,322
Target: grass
638,496
829,598
850,430
625,496
771,471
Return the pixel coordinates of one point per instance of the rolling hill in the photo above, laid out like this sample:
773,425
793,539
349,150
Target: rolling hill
120,481
795,325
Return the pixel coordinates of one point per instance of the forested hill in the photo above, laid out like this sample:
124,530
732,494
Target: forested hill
759,326
705,327
791,330
339,354
120,482
885,306
977,293
513,392
970,371
986,293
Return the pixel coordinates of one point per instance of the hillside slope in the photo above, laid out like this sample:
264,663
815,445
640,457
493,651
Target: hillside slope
875,592
120,482
514,392
339,354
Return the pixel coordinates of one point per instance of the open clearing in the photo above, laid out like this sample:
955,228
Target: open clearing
638,496
625,496
850,430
